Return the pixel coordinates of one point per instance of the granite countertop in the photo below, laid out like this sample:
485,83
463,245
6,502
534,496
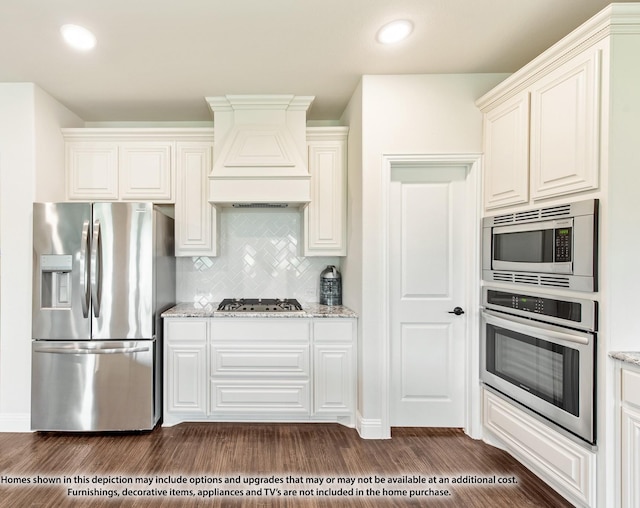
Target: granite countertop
310,310
632,357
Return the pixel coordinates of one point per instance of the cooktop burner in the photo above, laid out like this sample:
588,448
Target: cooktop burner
259,305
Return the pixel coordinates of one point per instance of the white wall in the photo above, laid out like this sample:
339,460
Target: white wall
352,265
408,114
17,167
50,116
29,135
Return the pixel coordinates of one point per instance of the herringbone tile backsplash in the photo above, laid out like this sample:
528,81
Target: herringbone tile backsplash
260,256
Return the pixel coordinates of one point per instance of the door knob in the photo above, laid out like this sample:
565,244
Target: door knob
457,311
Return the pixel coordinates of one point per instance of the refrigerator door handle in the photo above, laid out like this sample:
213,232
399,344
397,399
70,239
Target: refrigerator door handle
90,351
96,269
84,268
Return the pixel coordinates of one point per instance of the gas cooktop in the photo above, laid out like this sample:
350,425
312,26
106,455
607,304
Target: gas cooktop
259,305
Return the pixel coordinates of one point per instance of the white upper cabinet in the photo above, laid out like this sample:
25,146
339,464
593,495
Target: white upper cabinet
92,170
542,129
325,217
109,169
145,171
506,148
196,218
161,165
565,128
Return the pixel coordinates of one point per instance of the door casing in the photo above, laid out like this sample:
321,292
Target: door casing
472,163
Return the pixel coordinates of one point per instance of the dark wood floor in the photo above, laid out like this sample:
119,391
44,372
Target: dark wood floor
229,451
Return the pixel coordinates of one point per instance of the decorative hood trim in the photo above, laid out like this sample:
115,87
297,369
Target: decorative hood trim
260,155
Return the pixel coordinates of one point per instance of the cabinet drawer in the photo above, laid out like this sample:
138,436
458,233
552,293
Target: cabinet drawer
631,387
260,397
260,361
188,330
274,329
333,330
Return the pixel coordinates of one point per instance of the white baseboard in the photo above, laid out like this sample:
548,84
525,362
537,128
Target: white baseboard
15,422
371,428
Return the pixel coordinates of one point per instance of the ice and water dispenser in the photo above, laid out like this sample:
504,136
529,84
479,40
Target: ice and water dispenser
55,277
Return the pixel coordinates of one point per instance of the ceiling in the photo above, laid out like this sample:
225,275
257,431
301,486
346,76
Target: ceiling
156,60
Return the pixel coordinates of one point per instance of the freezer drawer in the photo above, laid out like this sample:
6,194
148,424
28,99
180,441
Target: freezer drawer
93,385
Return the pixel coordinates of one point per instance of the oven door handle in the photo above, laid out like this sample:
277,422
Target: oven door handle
523,325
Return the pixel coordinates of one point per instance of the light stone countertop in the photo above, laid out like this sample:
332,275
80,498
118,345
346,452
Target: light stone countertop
632,357
310,310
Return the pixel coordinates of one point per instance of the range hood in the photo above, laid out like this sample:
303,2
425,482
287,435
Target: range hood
260,152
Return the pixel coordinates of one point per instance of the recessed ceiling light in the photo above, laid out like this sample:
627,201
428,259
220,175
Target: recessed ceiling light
395,31
78,37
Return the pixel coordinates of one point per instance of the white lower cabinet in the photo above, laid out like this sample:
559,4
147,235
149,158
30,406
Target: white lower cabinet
185,366
273,369
630,438
562,463
334,367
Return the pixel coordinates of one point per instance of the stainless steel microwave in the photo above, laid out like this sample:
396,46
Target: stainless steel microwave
555,246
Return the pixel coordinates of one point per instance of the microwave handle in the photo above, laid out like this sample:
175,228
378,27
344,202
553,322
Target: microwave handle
522,325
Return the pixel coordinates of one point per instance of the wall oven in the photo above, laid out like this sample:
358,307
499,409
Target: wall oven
555,246
540,352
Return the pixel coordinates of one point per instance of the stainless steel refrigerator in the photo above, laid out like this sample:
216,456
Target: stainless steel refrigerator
102,275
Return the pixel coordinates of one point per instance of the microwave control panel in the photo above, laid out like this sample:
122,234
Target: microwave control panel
562,245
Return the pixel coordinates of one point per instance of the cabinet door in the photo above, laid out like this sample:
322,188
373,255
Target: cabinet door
506,153
630,458
565,128
195,217
334,379
145,171
325,216
186,375
185,368
92,171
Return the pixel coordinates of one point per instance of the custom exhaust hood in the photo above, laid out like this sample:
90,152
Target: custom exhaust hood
260,152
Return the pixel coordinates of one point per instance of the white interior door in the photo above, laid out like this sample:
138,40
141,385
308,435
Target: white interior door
426,282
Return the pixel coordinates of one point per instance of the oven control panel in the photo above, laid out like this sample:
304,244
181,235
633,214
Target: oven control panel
561,309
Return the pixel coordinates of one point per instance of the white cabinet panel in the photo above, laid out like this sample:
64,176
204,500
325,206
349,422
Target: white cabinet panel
325,217
257,360
559,461
260,397
196,218
92,171
506,153
333,330
565,128
145,171
186,367
334,367
629,438
630,445
631,387
268,329
334,379
260,369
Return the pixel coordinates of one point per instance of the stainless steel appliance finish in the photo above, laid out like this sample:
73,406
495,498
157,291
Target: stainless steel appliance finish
259,305
554,246
93,385
103,274
547,368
